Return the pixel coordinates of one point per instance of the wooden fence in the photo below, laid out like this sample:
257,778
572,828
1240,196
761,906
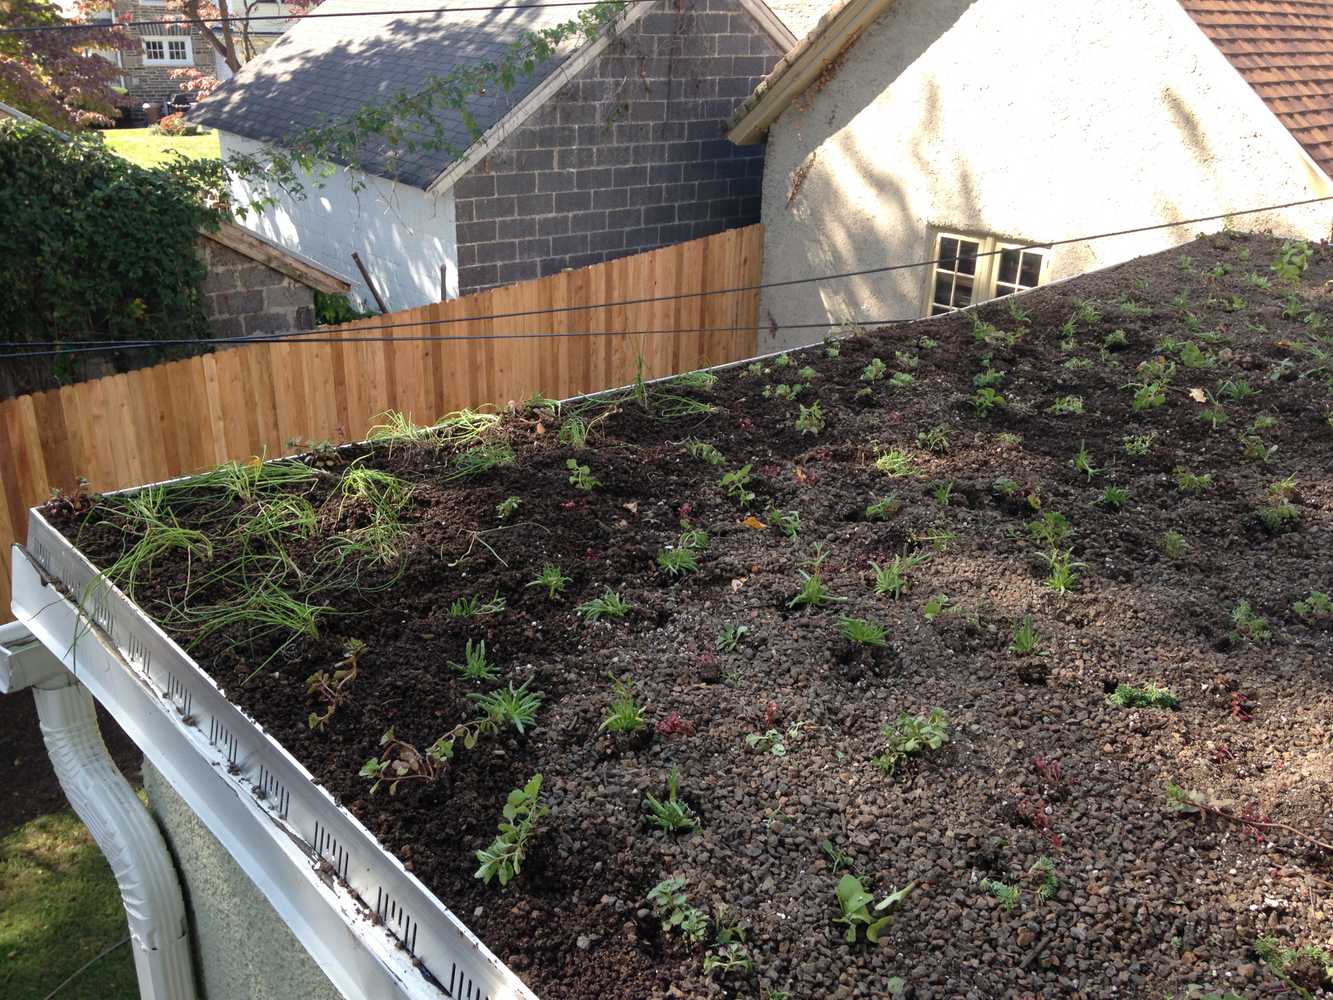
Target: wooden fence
257,399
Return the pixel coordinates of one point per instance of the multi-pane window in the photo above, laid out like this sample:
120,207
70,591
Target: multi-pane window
168,49
972,269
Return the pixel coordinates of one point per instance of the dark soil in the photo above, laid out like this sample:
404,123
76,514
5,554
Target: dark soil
1150,900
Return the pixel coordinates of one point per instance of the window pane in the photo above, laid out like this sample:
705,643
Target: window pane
177,49
967,262
943,286
1008,266
1002,290
1031,271
948,255
939,310
962,291
153,49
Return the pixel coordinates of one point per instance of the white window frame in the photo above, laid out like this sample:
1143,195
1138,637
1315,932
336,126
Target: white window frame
166,59
986,276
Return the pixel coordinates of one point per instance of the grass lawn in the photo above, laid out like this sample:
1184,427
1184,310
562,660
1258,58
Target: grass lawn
59,907
141,146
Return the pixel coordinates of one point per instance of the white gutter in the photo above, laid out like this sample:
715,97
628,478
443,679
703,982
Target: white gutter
113,814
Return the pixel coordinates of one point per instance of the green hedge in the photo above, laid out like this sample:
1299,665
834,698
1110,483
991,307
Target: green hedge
92,246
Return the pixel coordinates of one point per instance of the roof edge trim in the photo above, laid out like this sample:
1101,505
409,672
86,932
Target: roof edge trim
800,67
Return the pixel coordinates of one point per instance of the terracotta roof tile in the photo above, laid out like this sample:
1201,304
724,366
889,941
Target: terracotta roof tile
1284,50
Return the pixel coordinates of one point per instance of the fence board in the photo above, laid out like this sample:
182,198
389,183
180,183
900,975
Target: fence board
184,416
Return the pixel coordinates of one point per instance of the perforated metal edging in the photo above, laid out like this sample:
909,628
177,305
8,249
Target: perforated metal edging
373,928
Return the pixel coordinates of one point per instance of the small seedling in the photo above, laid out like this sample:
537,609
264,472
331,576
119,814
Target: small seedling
935,440
1173,544
1008,895
552,579
1307,969
893,578
774,741
838,858
331,687
1249,626
874,371
1050,529
1253,449
935,607
736,484
901,380
729,958
473,606
883,508
1236,390
626,715
1188,482
1292,259
730,638
811,419
862,631
580,476
505,508
1147,696
1082,462
670,815
574,432
1026,640
704,452
678,561
894,462
511,706
943,493
672,907
988,379
786,521
609,605
1063,570
1115,341
813,593
1066,405
1137,445
523,810
855,904
912,734
986,399
1114,497
1317,605
475,665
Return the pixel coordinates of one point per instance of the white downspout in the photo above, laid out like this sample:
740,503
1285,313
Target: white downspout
121,826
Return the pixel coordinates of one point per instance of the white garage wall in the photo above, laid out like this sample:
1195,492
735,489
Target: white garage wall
403,234
1029,119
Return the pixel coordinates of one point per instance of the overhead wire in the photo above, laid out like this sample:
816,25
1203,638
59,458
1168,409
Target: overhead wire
324,335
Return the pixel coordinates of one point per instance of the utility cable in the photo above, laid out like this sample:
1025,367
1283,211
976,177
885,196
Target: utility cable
324,335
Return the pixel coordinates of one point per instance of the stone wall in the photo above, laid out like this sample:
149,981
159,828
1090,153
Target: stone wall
154,82
243,297
627,157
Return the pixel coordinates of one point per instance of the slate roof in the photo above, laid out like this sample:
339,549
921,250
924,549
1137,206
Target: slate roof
1284,50
326,68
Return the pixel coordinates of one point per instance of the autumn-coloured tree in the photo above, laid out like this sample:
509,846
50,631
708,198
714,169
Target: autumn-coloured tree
56,76
233,40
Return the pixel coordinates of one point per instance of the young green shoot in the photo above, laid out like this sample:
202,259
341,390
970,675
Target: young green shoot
670,815
552,579
609,605
523,810
626,714
475,665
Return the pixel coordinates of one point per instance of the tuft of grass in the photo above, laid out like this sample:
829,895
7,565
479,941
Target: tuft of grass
1149,695
475,665
862,631
609,605
894,579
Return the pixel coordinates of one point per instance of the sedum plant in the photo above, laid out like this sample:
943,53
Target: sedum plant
626,715
523,810
1148,696
552,579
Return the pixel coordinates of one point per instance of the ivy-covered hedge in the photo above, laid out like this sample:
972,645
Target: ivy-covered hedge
93,247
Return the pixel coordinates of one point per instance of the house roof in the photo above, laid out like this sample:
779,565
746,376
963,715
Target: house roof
324,69
284,261
1284,50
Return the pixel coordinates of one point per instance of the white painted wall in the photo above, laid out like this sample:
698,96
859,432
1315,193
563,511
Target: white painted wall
403,234
1032,119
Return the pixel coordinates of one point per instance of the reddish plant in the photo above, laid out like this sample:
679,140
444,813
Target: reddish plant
569,504
674,725
1240,706
745,424
1033,813
592,555
771,714
804,478
770,471
1052,774
685,510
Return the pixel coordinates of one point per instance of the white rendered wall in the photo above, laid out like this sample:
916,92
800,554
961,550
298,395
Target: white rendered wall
403,234
1030,119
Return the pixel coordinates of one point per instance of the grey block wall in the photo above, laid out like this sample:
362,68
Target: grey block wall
244,298
629,156
242,949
